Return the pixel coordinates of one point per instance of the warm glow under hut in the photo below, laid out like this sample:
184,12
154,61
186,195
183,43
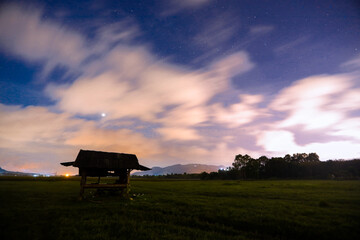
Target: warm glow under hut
101,164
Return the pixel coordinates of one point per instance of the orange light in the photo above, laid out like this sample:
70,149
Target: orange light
67,175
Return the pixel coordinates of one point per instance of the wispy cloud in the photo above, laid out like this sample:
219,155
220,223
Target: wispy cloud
281,142
35,130
52,44
172,7
290,45
261,29
217,31
122,80
353,63
33,39
317,101
240,113
323,105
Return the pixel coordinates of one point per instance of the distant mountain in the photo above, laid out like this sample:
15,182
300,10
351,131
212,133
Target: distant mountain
180,169
4,172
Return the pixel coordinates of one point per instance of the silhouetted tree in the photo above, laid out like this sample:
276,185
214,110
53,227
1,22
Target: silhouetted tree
241,161
298,165
313,157
287,158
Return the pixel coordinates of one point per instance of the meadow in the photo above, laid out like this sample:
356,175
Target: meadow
48,208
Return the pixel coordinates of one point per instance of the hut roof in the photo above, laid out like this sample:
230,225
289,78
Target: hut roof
105,160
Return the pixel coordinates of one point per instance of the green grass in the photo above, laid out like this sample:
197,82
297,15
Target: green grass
161,209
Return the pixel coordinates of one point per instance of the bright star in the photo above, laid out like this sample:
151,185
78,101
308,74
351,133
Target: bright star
103,114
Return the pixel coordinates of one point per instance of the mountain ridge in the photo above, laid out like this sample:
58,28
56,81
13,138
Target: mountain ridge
4,172
172,169
180,169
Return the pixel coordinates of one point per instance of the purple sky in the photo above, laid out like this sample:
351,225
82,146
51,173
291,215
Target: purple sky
191,81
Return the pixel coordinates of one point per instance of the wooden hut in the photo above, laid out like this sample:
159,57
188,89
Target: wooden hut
101,164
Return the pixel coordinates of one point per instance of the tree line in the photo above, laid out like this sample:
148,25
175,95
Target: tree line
296,166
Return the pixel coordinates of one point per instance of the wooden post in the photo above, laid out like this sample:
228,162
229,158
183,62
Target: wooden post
82,183
128,182
128,176
98,180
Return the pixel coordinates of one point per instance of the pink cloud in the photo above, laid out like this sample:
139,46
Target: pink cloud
26,35
319,103
34,124
139,88
240,113
178,133
35,131
314,102
232,65
282,142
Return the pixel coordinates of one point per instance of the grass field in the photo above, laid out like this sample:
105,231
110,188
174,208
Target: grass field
49,209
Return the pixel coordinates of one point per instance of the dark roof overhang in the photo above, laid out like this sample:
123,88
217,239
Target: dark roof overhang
105,160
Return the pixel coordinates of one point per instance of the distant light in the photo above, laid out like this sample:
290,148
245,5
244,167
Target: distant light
67,175
103,114
35,175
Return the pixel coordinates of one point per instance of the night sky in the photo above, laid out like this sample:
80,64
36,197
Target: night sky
177,81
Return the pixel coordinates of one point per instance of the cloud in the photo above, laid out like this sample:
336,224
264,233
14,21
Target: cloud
140,86
113,140
172,7
283,142
25,34
348,128
121,80
125,81
232,65
29,36
290,45
324,105
217,31
185,116
353,63
278,141
261,29
182,108
121,31
239,113
32,138
46,138
316,102
176,133
137,88
35,131
34,124
142,94
218,154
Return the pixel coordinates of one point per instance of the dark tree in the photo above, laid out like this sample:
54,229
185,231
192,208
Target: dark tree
241,161
313,157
